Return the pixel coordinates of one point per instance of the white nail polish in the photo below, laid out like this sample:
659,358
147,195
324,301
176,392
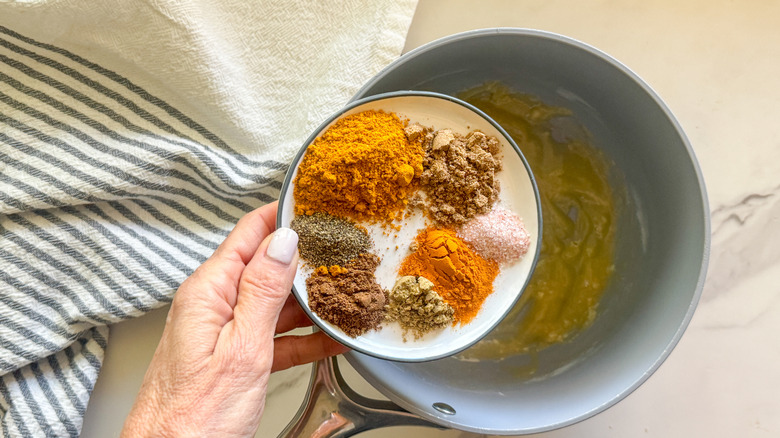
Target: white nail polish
283,244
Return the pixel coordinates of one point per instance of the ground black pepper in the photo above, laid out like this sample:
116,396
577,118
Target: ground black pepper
325,240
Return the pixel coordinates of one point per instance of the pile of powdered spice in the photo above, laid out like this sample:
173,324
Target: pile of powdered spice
326,240
375,167
350,299
499,235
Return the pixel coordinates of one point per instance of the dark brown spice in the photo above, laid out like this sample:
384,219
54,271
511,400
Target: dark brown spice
353,300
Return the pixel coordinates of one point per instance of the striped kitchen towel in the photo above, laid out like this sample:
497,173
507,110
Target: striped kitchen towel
133,135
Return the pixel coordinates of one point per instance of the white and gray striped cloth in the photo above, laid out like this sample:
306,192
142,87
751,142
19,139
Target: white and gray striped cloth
133,136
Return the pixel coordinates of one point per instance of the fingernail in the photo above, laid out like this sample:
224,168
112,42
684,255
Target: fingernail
283,244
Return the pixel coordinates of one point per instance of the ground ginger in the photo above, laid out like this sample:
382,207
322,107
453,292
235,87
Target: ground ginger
363,167
417,307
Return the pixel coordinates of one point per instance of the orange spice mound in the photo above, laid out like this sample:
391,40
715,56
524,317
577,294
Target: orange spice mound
363,167
459,275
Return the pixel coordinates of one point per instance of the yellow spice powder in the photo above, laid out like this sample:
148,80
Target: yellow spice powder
363,167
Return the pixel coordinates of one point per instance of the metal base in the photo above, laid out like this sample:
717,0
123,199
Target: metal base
332,409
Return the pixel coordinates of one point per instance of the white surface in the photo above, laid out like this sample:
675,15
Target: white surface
716,65
517,195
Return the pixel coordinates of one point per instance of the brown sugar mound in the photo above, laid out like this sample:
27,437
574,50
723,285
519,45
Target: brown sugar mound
459,176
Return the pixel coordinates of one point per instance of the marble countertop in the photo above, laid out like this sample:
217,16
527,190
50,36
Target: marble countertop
716,63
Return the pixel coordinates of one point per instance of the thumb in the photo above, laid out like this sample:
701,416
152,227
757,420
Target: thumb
266,281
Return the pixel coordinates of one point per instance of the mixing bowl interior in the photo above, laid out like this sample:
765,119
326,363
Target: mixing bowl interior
662,239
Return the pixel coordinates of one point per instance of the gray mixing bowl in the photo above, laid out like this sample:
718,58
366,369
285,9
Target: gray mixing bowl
662,240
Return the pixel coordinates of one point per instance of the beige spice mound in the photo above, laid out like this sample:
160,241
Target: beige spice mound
417,307
459,176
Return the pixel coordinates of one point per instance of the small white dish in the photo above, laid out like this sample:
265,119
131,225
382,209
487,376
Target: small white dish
518,194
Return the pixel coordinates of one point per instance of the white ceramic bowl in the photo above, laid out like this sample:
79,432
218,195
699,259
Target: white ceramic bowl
518,194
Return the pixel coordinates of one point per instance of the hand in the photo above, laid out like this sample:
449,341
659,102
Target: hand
210,372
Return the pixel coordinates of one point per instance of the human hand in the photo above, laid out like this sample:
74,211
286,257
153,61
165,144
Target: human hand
210,372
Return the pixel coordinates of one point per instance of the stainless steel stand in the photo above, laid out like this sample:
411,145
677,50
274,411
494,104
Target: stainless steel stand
332,409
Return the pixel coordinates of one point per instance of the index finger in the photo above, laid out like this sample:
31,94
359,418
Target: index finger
290,350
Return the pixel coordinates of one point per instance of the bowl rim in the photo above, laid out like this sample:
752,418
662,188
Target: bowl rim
356,362
287,186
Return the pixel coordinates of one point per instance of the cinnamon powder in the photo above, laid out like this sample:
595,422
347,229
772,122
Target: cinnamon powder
352,300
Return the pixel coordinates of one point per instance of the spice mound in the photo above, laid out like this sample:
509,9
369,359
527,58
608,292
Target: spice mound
352,300
499,235
462,277
460,175
325,240
363,167
417,307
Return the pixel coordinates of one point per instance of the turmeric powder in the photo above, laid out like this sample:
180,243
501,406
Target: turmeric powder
332,270
462,277
363,167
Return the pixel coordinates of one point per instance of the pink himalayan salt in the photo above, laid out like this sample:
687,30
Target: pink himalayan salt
499,235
